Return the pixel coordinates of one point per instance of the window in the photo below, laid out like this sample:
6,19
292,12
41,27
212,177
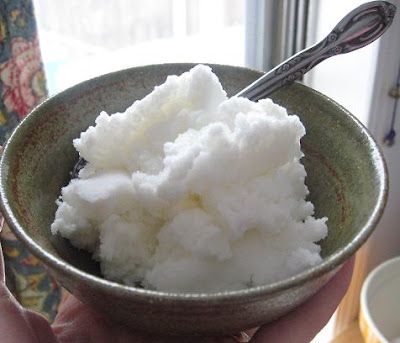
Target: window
279,29
81,39
348,78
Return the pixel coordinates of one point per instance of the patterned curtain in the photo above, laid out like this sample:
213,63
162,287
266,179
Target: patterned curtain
22,87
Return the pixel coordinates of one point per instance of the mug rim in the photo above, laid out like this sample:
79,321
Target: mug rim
364,306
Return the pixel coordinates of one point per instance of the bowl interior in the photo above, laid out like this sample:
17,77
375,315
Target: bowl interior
346,174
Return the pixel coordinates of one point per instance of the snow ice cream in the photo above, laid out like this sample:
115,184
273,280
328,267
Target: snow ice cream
189,191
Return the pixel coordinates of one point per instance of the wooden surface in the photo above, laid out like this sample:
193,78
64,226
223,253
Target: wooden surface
350,335
349,308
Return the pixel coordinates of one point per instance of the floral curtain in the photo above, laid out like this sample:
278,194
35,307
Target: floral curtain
22,87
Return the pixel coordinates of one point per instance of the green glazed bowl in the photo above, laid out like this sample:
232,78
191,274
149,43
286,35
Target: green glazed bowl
346,177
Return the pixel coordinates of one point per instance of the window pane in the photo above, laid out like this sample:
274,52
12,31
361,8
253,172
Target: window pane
81,39
345,78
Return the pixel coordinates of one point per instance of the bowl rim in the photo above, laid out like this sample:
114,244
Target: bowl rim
334,261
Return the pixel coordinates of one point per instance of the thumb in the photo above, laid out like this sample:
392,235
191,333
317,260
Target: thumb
18,324
2,272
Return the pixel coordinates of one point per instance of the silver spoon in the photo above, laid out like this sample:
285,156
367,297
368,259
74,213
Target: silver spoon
357,29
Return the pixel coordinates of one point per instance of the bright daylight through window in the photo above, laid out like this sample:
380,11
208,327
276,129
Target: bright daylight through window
81,39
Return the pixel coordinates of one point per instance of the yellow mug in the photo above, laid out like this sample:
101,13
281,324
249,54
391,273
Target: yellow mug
380,304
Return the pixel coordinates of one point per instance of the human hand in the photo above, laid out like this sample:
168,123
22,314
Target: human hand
76,322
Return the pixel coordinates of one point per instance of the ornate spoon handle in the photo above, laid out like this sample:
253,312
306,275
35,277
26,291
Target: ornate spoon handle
360,27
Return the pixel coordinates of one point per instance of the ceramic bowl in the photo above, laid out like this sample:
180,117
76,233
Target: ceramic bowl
346,178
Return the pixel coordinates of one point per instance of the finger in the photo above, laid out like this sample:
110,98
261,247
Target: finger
80,323
302,324
40,327
2,272
20,325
